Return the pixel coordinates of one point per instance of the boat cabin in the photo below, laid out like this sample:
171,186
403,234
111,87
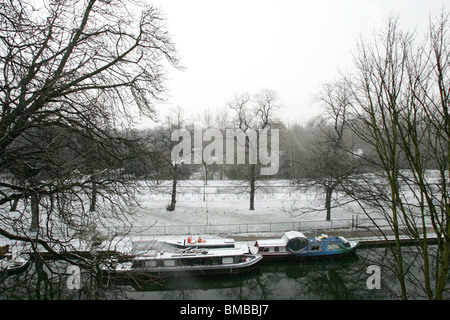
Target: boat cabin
189,257
291,242
295,244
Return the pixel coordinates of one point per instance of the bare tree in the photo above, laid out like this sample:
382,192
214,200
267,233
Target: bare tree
295,149
222,123
72,72
252,116
206,121
401,92
162,146
331,161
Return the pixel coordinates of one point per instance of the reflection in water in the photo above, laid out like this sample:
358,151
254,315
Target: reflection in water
277,280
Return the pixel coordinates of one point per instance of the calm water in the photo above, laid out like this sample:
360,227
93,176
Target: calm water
324,280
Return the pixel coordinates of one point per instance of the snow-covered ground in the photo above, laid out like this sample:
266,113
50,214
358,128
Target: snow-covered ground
223,203
220,208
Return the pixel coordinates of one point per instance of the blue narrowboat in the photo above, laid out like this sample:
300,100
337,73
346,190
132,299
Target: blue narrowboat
294,244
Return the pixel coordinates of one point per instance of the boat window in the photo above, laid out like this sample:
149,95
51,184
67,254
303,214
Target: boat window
150,263
159,263
195,261
297,244
187,262
227,260
138,264
277,249
267,249
169,263
333,246
315,247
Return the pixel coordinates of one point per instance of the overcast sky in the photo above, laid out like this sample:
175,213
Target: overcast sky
290,46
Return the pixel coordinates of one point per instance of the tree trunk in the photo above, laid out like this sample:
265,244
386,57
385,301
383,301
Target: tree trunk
206,173
443,273
174,195
93,197
252,187
173,201
34,212
328,194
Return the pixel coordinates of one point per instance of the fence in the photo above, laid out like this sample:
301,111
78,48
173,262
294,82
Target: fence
250,228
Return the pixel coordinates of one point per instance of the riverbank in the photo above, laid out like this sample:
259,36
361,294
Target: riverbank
221,209
365,237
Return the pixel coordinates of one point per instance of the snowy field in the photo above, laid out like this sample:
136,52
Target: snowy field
220,208
223,207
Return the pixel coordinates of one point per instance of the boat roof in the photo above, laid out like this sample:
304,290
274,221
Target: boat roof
204,241
146,245
191,253
280,242
293,234
172,243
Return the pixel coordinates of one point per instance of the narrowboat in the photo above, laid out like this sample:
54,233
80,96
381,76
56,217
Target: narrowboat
191,260
12,263
294,244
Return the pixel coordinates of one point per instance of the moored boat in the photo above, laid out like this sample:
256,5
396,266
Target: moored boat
294,244
192,260
12,263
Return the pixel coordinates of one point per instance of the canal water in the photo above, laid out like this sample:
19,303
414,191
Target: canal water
368,275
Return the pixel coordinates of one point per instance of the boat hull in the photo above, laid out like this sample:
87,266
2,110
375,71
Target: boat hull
335,254
233,268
